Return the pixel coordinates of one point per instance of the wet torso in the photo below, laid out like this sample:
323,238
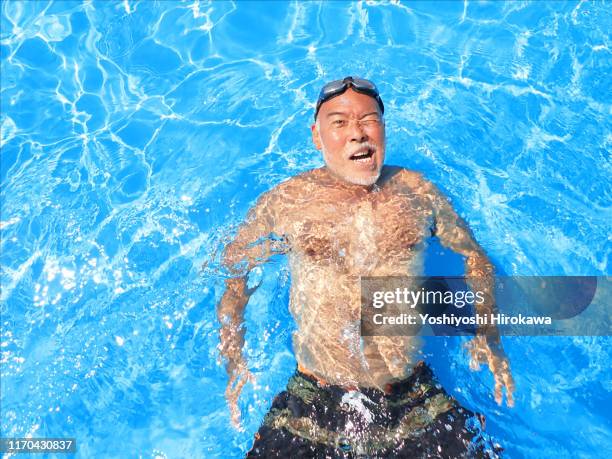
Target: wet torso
336,233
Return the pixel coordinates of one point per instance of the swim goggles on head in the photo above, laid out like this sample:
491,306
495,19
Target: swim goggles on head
337,87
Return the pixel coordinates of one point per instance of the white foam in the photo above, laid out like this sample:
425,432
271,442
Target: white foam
8,129
355,400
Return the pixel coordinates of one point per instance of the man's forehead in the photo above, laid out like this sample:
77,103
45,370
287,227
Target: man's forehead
348,113
350,103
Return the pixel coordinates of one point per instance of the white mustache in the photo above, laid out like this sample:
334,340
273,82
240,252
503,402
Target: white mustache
350,150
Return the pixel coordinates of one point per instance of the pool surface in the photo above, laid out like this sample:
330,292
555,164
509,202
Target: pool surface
136,135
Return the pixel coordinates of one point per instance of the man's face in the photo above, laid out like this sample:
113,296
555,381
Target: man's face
350,131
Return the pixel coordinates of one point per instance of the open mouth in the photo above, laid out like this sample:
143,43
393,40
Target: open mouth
363,156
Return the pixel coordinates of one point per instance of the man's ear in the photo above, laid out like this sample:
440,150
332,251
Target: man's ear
316,137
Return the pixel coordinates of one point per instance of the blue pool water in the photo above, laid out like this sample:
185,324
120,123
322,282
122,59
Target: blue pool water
135,136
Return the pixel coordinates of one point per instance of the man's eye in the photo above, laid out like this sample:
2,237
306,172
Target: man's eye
338,123
370,121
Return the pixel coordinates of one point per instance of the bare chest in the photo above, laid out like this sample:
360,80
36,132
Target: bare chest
358,235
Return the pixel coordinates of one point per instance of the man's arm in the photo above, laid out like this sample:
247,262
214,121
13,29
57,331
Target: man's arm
453,233
230,312
479,271
252,246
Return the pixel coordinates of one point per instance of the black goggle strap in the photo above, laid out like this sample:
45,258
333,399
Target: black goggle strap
337,87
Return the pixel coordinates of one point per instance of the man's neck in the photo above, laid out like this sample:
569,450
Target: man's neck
329,178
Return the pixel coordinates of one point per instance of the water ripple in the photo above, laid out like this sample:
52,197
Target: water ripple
136,134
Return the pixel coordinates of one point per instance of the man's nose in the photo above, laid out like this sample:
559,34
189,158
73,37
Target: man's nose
357,132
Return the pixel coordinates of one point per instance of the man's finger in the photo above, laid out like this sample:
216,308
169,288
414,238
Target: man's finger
232,400
240,384
249,377
229,389
235,384
235,416
509,398
503,378
498,390
509,382
477,356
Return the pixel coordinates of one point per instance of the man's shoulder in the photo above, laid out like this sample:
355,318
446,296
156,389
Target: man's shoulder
403,176
283,192
295,183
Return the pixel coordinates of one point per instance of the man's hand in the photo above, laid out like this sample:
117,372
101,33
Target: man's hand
232,341
230,313
488,350
239,375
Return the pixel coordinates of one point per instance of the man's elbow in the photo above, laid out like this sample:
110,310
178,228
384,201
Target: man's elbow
234,298
480,265
233,260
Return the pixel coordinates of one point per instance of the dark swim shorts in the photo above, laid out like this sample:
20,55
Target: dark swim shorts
414,418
